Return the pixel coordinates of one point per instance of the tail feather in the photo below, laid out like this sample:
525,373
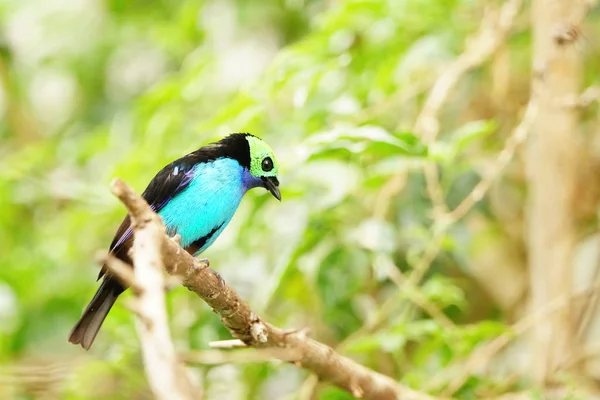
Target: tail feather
85,330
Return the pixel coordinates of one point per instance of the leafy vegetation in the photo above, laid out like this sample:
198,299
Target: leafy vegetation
96,89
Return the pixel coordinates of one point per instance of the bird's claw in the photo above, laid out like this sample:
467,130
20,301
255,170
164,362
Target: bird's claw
219,277
177,239
204,262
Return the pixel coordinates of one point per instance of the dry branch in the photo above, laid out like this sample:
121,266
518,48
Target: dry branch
120,270
227,344
484,354
166,374
492,32
242,356
517,137
246,326
584,100
552,158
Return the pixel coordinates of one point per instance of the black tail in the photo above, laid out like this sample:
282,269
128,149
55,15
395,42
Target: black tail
85,330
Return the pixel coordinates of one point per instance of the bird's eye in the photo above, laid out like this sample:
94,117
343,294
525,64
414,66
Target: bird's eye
267,164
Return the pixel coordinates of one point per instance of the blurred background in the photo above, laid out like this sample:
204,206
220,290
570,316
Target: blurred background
357,250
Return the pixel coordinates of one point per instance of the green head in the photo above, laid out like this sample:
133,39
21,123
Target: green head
255,156
263,165
262,158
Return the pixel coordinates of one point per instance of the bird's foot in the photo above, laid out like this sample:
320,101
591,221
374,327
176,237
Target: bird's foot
219,277
177,238
204,262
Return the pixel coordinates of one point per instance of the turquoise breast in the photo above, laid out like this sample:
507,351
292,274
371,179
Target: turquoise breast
202,211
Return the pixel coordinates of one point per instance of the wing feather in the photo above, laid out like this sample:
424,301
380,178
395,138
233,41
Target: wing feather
168,183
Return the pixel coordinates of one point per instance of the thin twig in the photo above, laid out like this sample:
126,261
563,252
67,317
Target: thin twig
431,251
584,100
483,355
517,137
584,355
121,270
248,355
418,298
492,32
134,306
479,49
227,344
589,310
444,222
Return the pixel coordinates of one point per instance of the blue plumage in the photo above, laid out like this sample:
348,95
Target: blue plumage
207,204
196,197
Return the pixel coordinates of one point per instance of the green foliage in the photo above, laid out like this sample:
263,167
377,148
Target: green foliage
120,88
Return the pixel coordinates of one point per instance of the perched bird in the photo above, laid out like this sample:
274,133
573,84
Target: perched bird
196,197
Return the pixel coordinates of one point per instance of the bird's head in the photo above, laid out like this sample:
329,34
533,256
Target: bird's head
263,165
257,159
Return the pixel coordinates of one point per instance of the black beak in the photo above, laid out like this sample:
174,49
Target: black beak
272,185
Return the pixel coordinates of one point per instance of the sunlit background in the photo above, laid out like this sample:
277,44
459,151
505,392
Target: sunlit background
91,90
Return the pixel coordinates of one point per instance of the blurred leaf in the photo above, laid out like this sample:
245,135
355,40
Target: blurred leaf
368,141
444,292
461,139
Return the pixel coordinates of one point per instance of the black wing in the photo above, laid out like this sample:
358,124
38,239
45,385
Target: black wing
169,182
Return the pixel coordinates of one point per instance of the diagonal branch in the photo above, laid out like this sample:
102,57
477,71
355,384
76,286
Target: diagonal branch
166,374
492,32
248,327
483,355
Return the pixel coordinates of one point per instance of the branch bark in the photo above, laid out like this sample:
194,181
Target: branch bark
248,327
166,374
552,171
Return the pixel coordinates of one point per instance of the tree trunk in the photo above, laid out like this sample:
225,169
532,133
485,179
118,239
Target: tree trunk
551,163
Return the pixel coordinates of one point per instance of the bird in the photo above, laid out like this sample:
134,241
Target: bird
196,196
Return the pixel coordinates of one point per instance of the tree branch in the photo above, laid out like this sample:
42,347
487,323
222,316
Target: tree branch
166,374
483,355
241,356
244,324
120,270
492,32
